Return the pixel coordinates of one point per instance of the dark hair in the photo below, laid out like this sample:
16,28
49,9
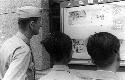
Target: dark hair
103,47
58,45
23,22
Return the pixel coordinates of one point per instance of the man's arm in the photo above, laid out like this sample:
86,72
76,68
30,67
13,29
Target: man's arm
19,65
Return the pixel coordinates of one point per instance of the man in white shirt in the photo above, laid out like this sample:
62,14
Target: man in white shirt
59,46
103,47
16,59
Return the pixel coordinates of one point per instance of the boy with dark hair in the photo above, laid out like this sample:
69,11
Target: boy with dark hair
103,47
59,46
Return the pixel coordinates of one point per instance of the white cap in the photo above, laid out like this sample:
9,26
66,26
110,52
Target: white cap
28,11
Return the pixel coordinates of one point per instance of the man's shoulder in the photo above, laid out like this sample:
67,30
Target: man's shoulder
14,43
11,41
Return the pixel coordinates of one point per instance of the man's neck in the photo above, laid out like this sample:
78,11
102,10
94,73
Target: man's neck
59,64
27,34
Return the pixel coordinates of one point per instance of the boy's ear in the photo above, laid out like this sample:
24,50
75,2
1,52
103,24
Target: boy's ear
118,56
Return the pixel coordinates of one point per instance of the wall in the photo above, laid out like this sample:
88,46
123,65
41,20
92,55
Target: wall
9,26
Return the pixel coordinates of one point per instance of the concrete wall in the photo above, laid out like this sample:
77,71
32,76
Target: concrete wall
9,26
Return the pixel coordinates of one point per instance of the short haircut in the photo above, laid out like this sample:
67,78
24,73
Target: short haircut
58,45
103,47
23,22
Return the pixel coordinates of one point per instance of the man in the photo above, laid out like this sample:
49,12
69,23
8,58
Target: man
103,47
59,46
16,57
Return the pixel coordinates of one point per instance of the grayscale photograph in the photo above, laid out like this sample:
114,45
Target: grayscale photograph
62,39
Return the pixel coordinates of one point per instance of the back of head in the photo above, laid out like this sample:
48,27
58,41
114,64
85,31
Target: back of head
59,46
103,47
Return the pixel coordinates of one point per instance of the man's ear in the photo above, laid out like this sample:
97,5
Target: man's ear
32,24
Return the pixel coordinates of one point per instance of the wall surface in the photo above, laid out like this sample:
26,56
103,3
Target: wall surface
9,26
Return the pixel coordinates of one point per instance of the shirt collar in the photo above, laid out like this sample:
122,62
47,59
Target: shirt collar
105,73
60,68
23,37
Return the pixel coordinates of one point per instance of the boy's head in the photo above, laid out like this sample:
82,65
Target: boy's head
103,47
59,46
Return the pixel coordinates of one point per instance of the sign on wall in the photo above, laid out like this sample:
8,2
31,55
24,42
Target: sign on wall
82,21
